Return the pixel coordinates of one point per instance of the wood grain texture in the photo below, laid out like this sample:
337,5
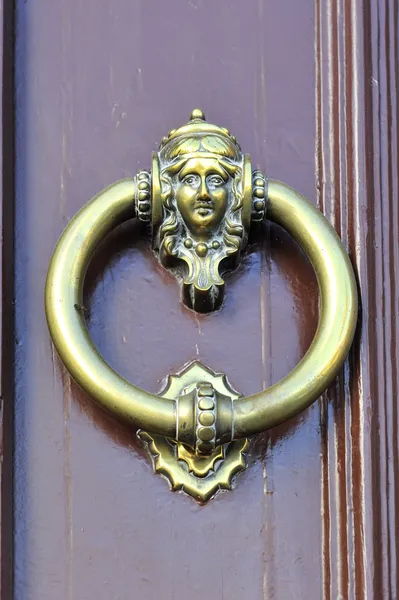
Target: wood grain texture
310,90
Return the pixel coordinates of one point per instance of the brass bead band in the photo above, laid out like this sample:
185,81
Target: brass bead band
259,196
204,418
143,196
205,435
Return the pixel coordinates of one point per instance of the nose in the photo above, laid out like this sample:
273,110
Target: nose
203,192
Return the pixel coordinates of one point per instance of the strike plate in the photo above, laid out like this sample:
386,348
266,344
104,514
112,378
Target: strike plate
199,476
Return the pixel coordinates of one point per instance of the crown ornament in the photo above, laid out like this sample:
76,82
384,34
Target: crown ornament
200,136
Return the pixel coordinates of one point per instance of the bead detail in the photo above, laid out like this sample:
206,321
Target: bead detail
205,418
197,114
206,434
202,248
143,196
259,196
206,403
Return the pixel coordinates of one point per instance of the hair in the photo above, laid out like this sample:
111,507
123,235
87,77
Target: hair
172,227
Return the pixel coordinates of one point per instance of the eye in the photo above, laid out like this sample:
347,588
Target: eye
216,180
192,180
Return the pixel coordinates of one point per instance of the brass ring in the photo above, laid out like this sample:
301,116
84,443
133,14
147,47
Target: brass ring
337,320
253,414
65,318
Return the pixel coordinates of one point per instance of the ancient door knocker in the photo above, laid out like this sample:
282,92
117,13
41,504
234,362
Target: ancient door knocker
200,199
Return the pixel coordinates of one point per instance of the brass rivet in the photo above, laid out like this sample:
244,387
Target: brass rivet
188,243
197,114
207,418
206,403
205,389
141,176
259,205
205,447
144,195
259,181
206,434
143,185
259,193
215,245
144,206
201,249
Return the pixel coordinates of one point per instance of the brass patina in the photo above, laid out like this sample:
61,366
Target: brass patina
200,199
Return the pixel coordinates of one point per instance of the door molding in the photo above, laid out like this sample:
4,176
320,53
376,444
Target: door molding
7,299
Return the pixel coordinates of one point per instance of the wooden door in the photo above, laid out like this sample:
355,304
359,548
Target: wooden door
310,89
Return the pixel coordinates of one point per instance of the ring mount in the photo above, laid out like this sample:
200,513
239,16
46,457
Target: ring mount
197,466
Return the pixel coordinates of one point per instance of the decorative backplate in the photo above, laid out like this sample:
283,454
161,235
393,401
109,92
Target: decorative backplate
204,470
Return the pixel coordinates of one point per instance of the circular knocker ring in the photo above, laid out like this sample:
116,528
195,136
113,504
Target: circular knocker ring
200,199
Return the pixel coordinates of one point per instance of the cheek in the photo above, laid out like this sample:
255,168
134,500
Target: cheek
220,196
184,196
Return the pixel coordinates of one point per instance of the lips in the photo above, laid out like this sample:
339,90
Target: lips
203,207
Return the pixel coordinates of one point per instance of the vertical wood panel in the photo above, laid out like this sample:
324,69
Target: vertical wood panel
357,86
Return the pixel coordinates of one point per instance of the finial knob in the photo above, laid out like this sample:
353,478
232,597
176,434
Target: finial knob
197,114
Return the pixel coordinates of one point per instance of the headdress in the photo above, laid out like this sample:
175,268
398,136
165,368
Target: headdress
198,136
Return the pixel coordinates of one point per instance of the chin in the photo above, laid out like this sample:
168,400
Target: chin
205,227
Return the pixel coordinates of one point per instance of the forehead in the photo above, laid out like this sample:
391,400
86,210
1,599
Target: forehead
203,166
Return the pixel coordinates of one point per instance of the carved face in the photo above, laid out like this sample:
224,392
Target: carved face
201,193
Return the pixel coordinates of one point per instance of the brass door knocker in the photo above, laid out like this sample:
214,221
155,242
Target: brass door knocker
200,199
